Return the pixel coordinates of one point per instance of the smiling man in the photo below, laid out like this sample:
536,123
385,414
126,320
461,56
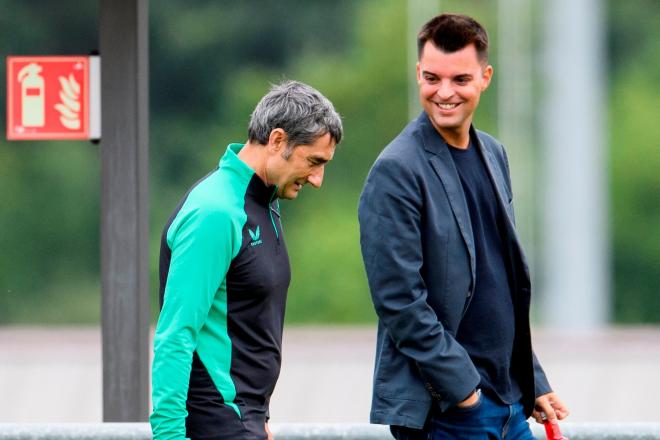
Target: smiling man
224,273
447,275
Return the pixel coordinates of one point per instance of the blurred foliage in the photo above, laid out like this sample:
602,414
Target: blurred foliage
49,191
210,62
634,50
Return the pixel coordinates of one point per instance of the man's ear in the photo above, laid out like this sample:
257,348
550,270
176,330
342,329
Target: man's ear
487,76
277,140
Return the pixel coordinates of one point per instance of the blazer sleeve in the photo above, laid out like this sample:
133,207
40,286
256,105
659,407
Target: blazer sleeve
541,384
391,235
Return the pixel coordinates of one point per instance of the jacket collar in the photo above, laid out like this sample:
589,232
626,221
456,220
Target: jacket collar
256,188
443,164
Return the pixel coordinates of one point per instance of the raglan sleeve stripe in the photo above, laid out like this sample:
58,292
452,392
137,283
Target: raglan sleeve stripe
203,244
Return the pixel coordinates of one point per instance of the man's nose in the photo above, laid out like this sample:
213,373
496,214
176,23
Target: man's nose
445,90
316,177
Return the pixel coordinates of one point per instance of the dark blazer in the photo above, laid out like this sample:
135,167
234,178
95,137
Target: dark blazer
418,251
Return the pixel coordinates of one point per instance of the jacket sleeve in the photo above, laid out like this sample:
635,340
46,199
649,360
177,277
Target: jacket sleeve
202,245
541,384
390,215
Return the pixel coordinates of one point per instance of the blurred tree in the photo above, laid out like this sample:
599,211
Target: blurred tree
634,50
328,281
48,190
210,62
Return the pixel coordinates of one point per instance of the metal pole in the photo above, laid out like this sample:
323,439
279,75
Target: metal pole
576,257
124,210
419,12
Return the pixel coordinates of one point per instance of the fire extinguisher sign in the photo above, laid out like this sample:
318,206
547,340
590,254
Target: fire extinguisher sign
53,97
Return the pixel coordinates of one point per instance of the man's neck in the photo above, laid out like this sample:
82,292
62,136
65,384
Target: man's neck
456,140
255,157
456,137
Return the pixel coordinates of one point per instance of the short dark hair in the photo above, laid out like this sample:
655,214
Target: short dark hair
452,32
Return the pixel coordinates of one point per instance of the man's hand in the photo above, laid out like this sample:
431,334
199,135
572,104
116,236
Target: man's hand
471,400
549,407
270,434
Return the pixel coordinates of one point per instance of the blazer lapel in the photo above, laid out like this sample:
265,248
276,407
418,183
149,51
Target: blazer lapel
499,180
494,173
444,167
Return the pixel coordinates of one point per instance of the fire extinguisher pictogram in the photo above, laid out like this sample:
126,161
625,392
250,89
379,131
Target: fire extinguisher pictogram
33,96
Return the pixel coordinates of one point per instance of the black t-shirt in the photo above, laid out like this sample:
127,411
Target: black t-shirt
487,330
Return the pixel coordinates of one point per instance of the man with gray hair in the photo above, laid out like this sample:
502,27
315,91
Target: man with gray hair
224,273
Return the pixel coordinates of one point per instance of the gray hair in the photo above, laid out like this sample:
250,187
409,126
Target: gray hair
300,110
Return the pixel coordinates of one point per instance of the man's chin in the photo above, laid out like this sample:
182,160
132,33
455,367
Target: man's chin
289,195
448,123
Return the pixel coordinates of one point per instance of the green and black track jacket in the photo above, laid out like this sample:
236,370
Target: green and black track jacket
224,272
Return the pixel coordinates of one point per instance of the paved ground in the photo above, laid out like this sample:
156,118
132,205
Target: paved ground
54,375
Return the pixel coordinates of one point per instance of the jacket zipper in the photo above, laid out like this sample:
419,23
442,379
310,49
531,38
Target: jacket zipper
270,212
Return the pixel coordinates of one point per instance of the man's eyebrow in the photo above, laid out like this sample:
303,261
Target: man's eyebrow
460,75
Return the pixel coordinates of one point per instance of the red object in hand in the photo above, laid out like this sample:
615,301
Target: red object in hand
552,431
